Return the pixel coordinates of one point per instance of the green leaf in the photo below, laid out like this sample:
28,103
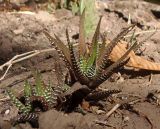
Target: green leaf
90,17
27,89
17,103
38,84
94,47
82,6
49,95
83,64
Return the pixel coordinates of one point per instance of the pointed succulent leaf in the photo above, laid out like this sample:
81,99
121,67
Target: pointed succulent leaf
117,38
39,87
50,96
96,35
99,95
108,72
94,47
83,64
82,44
27,117
64,49
133,38
17,103
27,95
111,45
58,73
59,45
102,48
89,66
58,89
124,56
79,74
91,72
27,89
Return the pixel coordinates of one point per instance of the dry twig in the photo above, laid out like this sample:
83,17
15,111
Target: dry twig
104,123
21,57
112,110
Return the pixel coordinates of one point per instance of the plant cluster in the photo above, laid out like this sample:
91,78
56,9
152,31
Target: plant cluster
87,69
38,97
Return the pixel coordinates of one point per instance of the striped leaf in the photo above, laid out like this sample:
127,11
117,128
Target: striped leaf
104,58
79,74
99,95
59,46
94,47
39,87
27,117
17,103
27,90
109,71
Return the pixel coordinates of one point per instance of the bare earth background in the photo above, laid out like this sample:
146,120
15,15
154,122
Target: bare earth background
20,33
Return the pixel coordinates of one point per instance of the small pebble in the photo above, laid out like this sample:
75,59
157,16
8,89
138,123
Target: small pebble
126,119
18,31
7,112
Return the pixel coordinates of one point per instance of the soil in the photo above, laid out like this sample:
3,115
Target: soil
21,32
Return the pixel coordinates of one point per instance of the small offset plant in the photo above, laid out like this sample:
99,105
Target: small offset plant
36,97
90,66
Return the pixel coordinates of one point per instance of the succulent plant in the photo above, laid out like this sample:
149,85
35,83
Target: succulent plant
35,96
91,66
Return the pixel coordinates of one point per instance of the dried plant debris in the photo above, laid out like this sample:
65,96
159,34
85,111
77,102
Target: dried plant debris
92,65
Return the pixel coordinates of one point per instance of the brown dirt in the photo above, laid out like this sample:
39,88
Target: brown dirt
22,32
